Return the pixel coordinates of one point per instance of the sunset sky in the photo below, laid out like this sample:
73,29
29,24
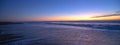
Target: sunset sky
58,10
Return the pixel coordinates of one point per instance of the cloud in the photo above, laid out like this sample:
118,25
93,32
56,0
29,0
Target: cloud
106,15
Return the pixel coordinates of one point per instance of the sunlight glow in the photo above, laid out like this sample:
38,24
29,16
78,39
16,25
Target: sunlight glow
79,18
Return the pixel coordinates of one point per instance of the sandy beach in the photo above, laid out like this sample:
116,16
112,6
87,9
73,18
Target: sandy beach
49,34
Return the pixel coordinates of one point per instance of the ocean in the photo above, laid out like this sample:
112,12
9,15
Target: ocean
60,33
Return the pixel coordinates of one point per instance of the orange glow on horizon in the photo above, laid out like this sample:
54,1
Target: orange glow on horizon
79,18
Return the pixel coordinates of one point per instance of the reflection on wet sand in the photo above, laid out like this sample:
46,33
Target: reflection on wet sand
39,34
79,38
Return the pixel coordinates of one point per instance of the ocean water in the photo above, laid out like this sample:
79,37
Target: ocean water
61,33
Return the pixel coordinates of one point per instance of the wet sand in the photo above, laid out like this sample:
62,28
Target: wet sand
44,34
6,38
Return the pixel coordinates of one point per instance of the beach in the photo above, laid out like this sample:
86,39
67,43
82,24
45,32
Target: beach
57,34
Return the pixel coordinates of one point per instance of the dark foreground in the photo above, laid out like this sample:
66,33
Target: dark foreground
59,34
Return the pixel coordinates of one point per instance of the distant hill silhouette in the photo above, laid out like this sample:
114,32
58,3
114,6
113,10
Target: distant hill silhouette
5,23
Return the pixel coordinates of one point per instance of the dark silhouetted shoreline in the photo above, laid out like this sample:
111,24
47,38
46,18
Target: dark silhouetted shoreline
6,23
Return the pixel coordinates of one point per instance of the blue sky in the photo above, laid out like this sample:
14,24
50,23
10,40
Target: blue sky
21,10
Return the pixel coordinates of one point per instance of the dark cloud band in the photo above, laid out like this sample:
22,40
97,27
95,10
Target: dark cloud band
106,15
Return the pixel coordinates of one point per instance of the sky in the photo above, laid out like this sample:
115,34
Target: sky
57,10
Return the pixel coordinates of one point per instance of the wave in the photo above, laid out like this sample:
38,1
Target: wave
109,26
